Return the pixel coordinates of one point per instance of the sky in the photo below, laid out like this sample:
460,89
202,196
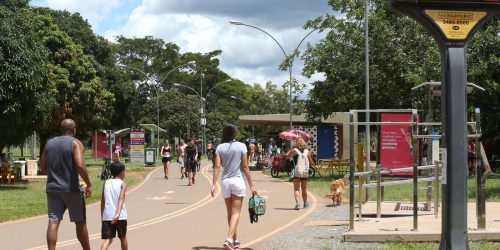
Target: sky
203,26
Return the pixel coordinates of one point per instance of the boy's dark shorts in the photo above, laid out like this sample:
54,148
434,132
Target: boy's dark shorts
108,230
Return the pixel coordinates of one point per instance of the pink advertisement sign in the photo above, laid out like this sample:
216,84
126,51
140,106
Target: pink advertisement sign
395,143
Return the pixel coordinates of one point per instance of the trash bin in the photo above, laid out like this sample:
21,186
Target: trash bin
19,169
150,156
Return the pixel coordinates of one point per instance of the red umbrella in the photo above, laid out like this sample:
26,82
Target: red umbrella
294,134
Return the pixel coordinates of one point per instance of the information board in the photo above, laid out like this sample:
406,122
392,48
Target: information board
136,151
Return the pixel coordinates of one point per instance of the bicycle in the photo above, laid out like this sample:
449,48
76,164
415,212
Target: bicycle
106,169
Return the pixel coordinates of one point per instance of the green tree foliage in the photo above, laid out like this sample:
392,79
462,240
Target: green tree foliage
101,54
24,99
484,70
79,93
402,55
15,4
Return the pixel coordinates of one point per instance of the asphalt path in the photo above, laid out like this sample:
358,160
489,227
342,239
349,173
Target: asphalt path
168,214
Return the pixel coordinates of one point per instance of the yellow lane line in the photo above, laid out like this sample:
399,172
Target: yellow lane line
153,221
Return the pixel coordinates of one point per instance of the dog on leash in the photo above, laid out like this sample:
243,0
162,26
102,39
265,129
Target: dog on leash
337,189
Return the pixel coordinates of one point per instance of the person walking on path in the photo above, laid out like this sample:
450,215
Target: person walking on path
231,155
301,159
62,160
166,158
251,148
190,155
113,211
180,159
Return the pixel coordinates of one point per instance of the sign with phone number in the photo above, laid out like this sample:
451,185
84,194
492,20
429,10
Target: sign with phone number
455,24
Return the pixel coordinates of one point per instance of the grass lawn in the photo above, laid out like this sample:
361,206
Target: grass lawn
321,186
28,199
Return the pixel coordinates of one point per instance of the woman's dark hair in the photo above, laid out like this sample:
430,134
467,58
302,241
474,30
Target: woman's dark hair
116,168
229,133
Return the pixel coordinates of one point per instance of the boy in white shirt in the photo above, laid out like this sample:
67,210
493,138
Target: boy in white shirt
113,211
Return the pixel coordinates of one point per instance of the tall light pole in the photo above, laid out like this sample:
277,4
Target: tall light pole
367,87
203,121
157,86
236,22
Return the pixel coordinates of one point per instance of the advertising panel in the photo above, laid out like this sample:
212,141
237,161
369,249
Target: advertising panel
395,143
136,152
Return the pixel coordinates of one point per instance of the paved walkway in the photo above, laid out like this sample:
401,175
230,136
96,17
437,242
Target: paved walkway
167,214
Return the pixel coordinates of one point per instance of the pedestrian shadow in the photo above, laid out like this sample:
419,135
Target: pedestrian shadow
177,203
284,208
216,248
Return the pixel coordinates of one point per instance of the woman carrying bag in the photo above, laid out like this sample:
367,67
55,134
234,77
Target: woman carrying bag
231,155
301,158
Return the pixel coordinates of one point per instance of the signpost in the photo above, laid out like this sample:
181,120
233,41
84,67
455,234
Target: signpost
452,23
136,152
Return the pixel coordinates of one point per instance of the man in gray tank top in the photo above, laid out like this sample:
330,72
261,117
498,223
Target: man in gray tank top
62,160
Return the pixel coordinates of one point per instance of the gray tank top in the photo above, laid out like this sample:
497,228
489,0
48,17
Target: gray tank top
62,174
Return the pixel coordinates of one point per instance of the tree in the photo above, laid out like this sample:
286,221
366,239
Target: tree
102,56
79,93
402,55
24,99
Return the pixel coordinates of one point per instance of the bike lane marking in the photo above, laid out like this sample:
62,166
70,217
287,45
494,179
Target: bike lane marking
207,199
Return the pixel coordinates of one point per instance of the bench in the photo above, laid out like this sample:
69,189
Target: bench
341,166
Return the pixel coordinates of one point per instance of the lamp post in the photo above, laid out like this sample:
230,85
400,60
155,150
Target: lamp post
203,121
157,86
236,22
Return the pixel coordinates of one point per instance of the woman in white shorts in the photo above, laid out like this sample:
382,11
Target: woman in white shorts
232,157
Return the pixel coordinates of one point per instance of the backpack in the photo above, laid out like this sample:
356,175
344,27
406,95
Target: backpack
302,164
256,207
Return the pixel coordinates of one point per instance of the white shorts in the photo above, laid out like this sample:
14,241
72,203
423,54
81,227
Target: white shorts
181,161
233,185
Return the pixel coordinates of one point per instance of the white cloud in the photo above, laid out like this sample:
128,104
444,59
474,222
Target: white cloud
95,11
203,26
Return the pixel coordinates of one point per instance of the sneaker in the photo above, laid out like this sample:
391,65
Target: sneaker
166,177
306,205
182,177
297,206
190,184
228,244
192,179
236,243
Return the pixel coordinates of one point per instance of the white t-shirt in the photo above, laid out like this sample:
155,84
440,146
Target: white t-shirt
111,194
230,155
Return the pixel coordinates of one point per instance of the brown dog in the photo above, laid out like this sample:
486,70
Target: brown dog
337,189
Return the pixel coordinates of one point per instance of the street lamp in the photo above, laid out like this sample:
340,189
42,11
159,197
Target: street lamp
237,22
157,86
203,121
